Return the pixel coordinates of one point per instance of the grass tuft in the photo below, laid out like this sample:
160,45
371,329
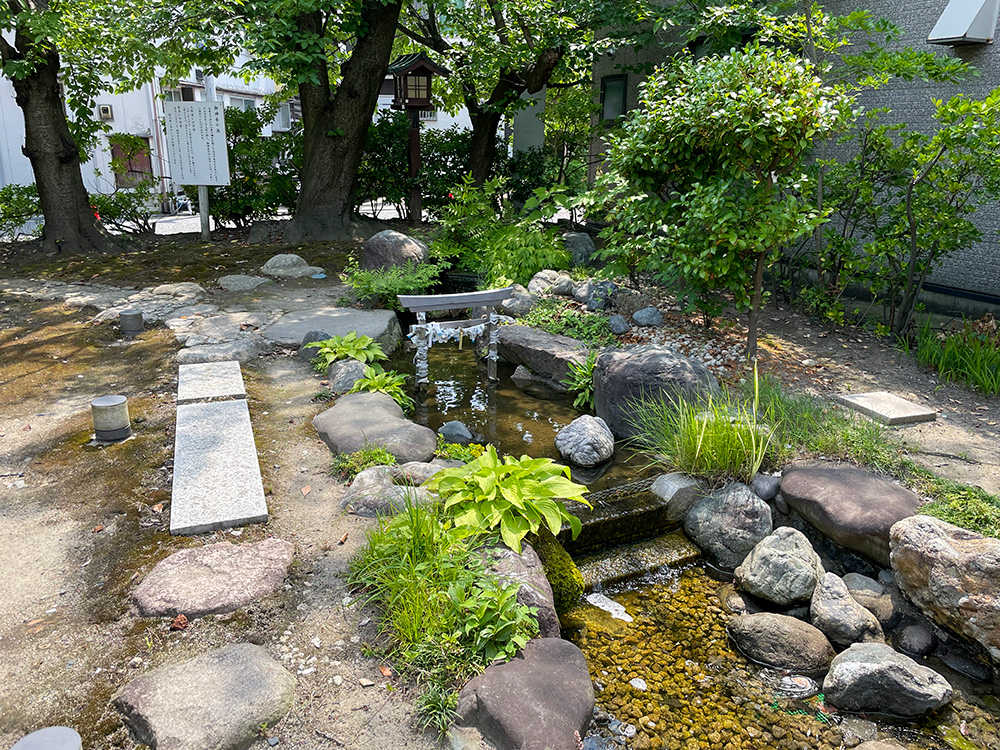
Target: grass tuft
970,354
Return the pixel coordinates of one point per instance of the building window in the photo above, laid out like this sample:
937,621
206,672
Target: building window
131,166
283,119
429,115
242,103
612,97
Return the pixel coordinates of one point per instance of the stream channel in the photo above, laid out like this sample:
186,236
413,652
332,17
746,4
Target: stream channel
669,677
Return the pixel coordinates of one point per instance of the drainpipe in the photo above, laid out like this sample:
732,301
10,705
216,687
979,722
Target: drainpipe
156,127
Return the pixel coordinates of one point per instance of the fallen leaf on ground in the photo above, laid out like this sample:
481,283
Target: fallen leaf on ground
179,623
305,490
158,507
99,527
365,683
386,672
26,427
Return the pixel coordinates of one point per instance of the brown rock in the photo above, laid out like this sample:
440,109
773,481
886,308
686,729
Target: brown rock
213,579
536,701
953,575
781,641
853,507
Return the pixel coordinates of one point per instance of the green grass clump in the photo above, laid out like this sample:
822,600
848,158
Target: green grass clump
720,438
970,355
581,381
805,425
444,616
959,504
558,316
349,465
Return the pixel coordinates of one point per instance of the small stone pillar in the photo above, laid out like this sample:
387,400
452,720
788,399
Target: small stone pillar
111,420
130,322
50,738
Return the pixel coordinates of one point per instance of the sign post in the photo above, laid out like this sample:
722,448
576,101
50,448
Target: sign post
196,142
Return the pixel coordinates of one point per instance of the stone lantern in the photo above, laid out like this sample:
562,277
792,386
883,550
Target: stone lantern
413,75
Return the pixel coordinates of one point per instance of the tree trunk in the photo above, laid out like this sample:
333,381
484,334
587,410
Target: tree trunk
753,316
483,148
334,128
70,224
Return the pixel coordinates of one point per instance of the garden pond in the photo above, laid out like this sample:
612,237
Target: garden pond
670,678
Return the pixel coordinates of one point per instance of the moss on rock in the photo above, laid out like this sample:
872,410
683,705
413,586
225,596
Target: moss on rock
563,575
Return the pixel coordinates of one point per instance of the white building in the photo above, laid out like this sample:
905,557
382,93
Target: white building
139,113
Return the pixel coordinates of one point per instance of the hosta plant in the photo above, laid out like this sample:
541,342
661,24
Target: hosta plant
514,495
351,346
389,382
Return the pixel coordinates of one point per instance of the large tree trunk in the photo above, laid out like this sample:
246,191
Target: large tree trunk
70,224
334,128
483,148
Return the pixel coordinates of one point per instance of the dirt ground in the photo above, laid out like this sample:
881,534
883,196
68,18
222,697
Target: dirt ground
80,525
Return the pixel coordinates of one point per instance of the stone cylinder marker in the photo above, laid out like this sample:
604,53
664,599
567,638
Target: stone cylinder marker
111,420
130,321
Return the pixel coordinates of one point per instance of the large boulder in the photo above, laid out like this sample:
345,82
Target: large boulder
289,266
213,579
953,575
622,377
727,524
586,441
392,248
525,570
360,419
543,699
872,677
781,642
545,354
383,491
679,493
851,506
217,701
380,325
783,568
844,621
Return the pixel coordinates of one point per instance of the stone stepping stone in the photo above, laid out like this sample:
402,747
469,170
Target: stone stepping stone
214,579
217,481
217,701
209,380
622,563
381,325
50,738
887,408
360,419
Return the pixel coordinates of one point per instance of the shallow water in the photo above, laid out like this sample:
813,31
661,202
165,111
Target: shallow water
500,413
701,694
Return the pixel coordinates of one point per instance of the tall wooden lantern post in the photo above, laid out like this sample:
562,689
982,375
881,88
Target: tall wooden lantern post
413,75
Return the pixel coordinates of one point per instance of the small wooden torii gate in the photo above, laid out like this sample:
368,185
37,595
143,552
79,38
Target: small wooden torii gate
422,304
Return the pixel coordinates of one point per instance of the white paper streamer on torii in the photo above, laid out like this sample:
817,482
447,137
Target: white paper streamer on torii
436,334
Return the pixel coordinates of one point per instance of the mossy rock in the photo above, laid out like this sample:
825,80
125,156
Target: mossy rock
563,575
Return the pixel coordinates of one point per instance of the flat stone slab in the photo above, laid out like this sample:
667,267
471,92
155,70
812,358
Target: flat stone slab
217,481
214,579
208,380
622,563
887,408
217,701
381,325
